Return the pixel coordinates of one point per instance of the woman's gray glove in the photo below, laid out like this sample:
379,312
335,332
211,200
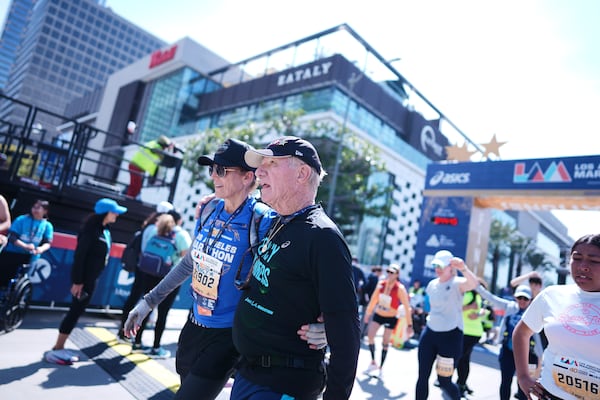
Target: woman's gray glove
135,318
314,334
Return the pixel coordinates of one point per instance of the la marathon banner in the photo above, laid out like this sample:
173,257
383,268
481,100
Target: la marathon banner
568,180
456,193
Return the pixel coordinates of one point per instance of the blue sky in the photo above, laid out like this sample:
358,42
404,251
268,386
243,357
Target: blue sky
527,71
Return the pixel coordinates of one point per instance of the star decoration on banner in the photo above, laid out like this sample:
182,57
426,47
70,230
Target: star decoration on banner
493,147
459,153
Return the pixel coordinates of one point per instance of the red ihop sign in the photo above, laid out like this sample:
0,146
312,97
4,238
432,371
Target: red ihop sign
159,57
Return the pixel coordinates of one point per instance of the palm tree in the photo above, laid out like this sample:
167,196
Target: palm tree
500,235
536,259
519,245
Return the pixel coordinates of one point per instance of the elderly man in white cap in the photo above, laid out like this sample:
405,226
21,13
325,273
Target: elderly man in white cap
302,268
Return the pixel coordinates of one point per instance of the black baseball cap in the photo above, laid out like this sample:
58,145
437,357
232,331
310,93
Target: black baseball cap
284,147
229,154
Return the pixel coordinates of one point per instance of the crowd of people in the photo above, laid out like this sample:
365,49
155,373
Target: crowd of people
250,261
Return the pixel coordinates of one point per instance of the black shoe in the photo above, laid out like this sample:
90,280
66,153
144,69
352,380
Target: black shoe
464,390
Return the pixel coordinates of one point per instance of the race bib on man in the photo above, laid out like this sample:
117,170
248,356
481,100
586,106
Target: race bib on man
206,274
578,377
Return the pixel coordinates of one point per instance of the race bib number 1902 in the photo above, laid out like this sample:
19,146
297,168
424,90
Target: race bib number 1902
206,275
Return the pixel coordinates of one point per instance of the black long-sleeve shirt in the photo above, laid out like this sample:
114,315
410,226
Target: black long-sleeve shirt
91,253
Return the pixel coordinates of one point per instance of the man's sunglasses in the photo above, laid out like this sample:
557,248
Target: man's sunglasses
523,298
220,170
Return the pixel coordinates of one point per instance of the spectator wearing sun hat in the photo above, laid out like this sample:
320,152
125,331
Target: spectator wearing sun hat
91,255
441,340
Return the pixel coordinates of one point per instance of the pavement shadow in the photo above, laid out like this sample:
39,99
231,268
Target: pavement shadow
60,376
71,376
9,375
375,389
117,366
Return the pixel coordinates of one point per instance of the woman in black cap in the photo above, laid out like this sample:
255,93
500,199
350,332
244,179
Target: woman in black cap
218,256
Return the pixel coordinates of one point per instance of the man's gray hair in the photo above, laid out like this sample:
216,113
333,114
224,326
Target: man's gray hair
315,178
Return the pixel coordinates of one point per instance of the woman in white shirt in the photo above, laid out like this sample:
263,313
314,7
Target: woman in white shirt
570,316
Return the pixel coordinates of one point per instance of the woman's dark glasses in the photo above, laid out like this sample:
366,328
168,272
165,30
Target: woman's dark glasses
220,170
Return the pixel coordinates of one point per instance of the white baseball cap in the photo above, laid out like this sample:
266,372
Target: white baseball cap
442,258
524,291
164,207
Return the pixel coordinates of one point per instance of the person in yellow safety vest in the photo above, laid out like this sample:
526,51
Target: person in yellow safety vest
146,160
473,312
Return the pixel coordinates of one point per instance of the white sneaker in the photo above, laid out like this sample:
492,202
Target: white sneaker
371,368
380,373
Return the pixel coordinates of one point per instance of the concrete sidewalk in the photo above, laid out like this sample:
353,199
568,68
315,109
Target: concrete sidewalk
108,372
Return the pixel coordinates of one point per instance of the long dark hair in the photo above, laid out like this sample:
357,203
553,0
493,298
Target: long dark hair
92,221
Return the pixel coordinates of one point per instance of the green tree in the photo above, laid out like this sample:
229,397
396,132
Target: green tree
355,195
539,259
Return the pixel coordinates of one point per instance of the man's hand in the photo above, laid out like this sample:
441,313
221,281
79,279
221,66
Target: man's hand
135,318
204,200
314,334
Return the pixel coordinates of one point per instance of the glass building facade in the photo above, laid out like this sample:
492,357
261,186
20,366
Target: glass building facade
14,28
172,102
67,48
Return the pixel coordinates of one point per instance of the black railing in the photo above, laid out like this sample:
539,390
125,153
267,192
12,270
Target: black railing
65,153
